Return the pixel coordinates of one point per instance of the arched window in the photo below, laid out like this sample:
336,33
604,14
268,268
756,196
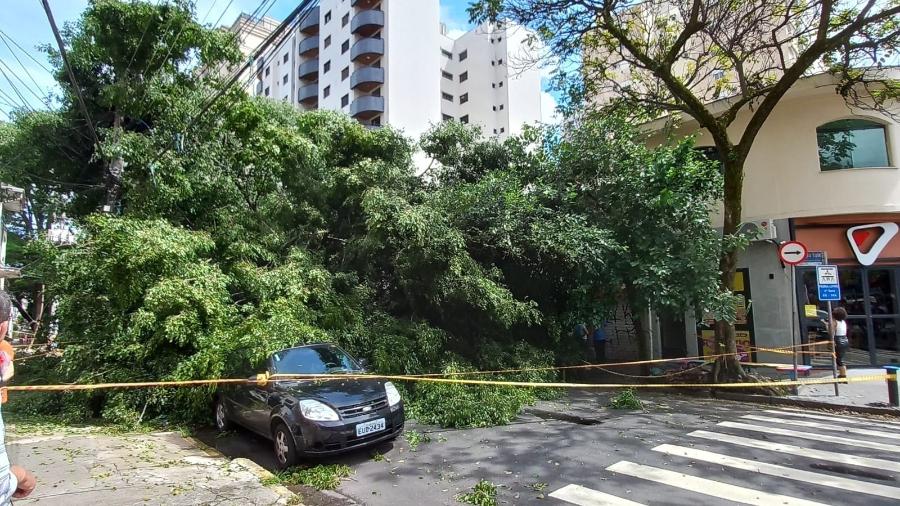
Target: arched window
852,143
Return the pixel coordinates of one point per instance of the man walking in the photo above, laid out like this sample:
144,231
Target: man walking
15,482
599,338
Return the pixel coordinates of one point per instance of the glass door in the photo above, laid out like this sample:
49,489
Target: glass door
882,299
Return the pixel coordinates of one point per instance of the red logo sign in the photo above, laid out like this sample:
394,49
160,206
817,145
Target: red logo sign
862,244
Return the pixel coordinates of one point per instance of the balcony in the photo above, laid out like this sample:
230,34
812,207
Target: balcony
367,79
364,4
309,70
366,23
309,46
310,24
367,107
308,94
367,50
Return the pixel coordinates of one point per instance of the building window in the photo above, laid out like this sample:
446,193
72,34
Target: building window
495,131
328,16
284,58
267,92
326,67
446,53
327,41
495,107
345,46
500,61
267,71
464,119
326,92
447,96
447,75
345,100
499,39
501,84
446,117
464,77
852,144
502,130
493,85
501,107
463,98
345,73
284,79
376,121
345,19
463,55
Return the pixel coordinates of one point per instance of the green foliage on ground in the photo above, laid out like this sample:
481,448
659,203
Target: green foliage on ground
484,493
626,399
255,227
321,477
415,438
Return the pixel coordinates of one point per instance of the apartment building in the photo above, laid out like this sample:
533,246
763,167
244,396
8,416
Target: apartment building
251,33
391,62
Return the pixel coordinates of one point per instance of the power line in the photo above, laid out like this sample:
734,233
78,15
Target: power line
13,53
35,60
65,59
22,82
141,41
235,76
15,90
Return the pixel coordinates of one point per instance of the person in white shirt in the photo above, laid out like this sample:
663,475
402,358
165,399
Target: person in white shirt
841,341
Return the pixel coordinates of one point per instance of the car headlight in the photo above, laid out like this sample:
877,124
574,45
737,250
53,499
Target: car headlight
393,395
315,410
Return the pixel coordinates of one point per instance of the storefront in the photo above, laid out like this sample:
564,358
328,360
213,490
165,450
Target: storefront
866,248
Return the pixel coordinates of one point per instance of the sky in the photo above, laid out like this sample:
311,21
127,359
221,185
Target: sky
24,23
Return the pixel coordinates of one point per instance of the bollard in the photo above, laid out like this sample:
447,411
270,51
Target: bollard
893,385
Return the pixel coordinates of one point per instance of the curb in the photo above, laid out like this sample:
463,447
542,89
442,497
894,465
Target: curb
287,497
784,401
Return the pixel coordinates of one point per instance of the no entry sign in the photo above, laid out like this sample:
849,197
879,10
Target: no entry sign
792,252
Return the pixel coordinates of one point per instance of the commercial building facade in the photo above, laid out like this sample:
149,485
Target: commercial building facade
391,62
823,173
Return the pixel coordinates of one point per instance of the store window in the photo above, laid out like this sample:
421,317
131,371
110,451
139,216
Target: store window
852,144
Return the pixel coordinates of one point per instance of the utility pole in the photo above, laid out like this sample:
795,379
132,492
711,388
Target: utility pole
116,168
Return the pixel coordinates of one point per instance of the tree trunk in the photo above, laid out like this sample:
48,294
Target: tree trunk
38,309
115,171
641,328
728,368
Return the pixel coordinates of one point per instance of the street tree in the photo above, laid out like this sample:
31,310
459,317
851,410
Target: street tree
677,57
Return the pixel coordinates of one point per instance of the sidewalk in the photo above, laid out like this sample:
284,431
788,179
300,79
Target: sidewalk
863,394
94,467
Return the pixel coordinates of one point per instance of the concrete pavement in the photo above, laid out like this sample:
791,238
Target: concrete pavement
93,467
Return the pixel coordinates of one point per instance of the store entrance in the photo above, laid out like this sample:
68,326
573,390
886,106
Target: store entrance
870,296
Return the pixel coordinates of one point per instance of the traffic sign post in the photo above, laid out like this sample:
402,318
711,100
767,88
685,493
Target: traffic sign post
793,253
827,283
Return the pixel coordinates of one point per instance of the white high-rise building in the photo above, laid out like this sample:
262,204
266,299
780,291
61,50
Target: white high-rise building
391,62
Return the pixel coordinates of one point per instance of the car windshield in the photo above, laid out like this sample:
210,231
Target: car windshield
314,360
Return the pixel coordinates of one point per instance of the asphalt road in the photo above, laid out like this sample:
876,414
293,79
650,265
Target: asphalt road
613,457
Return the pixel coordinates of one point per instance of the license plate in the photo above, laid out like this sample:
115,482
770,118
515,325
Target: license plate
369,427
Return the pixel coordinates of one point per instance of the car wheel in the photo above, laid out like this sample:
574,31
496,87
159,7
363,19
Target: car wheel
221,415
285,450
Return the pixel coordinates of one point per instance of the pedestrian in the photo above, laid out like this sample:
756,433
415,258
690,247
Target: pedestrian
15,482
841,341
599,338
581,333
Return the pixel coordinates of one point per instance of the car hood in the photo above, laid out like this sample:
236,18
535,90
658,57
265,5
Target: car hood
338,393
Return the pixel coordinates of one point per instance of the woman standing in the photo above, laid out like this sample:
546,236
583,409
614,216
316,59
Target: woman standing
841,341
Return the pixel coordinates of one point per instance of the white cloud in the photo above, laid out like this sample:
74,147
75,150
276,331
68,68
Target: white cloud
549,114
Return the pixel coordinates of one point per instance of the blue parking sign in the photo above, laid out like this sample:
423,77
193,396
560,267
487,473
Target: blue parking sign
828,283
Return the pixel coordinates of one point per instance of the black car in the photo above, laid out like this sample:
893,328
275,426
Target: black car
313,417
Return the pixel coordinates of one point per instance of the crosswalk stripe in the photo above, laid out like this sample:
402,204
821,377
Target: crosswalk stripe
859,443
853,460
840,419
823,426
583,496
847,484
706,487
